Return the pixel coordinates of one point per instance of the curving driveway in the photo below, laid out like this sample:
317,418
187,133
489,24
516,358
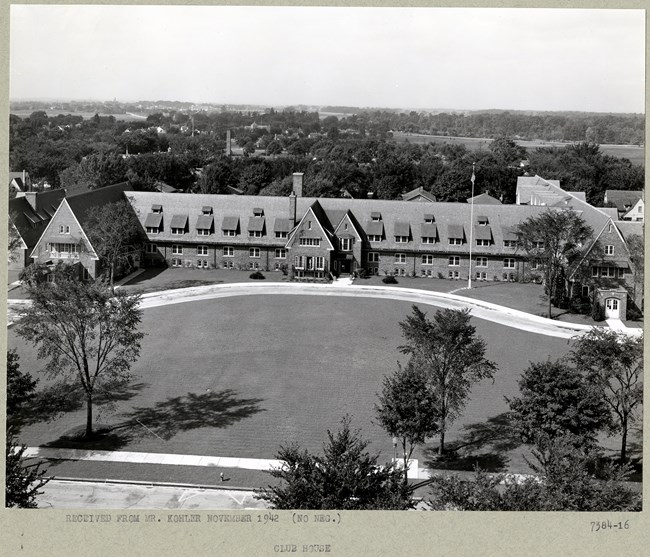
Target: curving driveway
482,310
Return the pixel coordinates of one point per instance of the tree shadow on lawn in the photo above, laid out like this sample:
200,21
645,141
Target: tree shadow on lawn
496,434
62,397
165,419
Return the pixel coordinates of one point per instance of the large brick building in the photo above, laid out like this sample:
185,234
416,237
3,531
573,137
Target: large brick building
318,236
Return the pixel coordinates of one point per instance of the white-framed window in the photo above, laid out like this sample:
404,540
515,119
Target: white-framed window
228,251
454,275
177,249
428,240
481,261
594,271
203,231
64,248
201,250
282,235
177,262
320,263
253,265
483,242
230,232
429,219
253,252
151,248
509,243
202,264
534,265
346,244
508,263
538,245
401,239
178,231
280,253
609,250
374,237
454,261
299,261
376,217
509,277
427,259
254,233
373,257
64,229
608,272
228,264
157,209
313,242
455,241
400,258
482,275
152,230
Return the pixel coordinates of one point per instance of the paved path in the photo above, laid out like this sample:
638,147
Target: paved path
219,462
480,309
79,494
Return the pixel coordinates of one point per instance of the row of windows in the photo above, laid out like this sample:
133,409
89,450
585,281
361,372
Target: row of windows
227,251
453,261
58,247
209,232
607,272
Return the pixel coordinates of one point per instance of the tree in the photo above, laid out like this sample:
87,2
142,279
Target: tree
554,239
556,400
14,240
613,363
506,151
566,479
346,477
636,248
20,390
22,481
86,333
408,409
113,230
448,351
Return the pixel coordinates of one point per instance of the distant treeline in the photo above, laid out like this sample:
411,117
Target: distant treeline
352,156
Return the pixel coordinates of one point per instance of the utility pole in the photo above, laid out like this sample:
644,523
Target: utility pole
471,229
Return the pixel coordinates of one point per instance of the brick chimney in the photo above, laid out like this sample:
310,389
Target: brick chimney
297,183
292,209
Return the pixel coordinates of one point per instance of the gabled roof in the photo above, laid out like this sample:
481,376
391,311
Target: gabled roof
418,193
82,204
623,199
484,199
29,225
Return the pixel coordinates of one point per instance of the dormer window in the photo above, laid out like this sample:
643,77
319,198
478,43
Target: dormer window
429,219
375,217
482,221
258,212
206,210
156,209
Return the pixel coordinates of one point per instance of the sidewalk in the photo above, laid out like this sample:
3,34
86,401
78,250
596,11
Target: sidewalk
415,472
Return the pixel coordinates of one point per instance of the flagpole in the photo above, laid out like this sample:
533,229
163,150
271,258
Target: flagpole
471,230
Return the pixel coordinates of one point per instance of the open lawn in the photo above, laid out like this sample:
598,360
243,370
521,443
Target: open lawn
242,376
635,153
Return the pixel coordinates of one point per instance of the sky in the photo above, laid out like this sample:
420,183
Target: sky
454,58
